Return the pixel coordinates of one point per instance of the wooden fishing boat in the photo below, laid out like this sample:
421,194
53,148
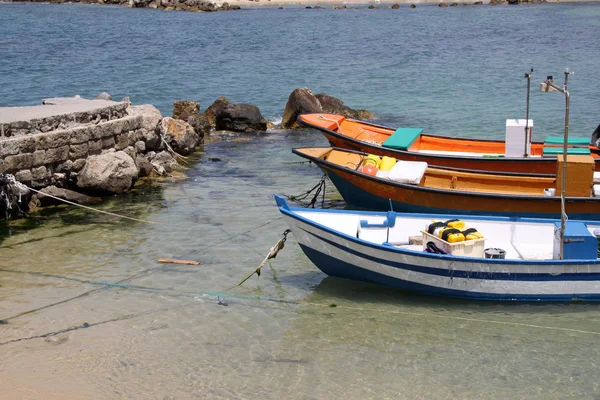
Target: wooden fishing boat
424,189
375,247
412,144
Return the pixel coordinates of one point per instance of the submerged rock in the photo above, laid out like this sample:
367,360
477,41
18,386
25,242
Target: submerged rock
61,193
113,172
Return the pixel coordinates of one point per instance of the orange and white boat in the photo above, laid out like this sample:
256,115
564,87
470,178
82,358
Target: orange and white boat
410,186
411,144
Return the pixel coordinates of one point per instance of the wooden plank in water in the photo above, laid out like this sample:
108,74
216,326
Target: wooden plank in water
174,261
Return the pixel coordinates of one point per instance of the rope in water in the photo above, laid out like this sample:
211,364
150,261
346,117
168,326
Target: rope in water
219,295
81,205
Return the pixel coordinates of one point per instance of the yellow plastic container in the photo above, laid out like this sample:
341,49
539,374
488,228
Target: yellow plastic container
387,163
373,160
451,235
472,234
455,223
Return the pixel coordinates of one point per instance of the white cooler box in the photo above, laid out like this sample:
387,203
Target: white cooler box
468,248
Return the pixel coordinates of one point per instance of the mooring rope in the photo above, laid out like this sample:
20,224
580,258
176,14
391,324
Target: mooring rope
331,120
272,254
220,295
319,187
177,155
90,208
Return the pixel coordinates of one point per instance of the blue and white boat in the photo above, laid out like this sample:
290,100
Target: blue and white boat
376,247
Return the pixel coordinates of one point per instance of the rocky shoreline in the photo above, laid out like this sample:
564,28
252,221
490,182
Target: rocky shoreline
207,6
78,149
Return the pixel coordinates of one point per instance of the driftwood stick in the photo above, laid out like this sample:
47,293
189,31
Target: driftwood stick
174,261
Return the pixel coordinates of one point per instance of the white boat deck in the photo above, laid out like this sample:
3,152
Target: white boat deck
465,154
520,240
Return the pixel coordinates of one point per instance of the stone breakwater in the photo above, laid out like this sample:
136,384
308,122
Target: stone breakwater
167,5
102,147
50,144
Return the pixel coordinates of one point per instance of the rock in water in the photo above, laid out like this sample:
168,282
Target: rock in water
211,112
301,101
185,107
163,162
151,118
113,172
333,105
104,96
240,118
200,124
64,194
189,111
180,135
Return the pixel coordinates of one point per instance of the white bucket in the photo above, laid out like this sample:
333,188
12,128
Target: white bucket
550,192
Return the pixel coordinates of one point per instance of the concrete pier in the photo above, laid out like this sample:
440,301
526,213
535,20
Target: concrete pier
49,144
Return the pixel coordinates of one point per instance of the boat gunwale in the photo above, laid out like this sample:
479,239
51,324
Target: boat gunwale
293,213
407,186
543,159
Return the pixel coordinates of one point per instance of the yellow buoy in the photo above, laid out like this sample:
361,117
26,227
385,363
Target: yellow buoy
387,163
373,160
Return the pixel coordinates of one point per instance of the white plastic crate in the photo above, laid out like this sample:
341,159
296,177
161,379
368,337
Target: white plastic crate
468,248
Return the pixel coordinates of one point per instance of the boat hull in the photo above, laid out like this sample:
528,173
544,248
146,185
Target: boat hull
372,193
342,256
499,163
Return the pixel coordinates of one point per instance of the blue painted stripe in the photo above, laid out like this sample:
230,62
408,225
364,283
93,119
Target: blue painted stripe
337,268
446,273
324,228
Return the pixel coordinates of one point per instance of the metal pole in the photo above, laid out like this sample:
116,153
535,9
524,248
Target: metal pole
563,214
528,76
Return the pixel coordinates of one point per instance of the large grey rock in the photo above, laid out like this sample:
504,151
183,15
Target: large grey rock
143,165
150,117
240,118
200,124
211,112
189,111
163,162
113,172
179,135
333,105
301,101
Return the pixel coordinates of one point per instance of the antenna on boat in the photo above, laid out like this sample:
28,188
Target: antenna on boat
549,86
527,137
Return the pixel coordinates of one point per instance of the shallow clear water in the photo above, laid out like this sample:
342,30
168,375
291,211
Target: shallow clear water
161,339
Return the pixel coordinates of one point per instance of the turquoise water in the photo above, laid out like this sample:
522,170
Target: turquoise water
453,70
